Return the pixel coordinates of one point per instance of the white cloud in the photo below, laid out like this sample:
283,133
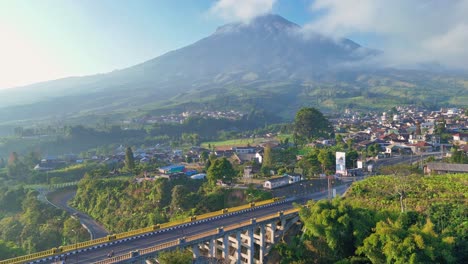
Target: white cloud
241,10
410,31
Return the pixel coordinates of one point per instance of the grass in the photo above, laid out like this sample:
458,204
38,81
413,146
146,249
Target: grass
240,142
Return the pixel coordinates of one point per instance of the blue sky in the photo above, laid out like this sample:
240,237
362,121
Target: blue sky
50,39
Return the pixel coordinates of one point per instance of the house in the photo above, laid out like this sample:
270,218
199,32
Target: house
244,157
293,178
259,156
224,153
276,182
172,169
442,168
243,150
462,138
199,176
144,160
42,167
420,147
397,149
173,176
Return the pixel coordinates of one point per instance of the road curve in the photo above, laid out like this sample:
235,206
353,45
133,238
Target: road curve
60,199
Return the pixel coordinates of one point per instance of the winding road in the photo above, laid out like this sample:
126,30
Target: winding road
60,199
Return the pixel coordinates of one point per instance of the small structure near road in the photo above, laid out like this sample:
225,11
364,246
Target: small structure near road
442,168
171,169
282,181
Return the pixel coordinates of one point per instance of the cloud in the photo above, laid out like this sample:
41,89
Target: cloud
410,32
241,10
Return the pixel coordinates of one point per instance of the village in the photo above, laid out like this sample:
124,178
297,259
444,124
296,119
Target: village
403,131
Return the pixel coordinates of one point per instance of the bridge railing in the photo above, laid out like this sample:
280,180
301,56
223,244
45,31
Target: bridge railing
195,237
132,233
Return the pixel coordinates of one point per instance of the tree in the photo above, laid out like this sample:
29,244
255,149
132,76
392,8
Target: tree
310,163
351,158
266,161
458,156
373,149
204,156
32,159
440,127
267,157
340,142
326,159
129,159
220,169
402,185
9,250
310,123
15,168
178,198
334,229
407,241
176,257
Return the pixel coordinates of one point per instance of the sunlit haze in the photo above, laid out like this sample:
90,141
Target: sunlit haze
50,39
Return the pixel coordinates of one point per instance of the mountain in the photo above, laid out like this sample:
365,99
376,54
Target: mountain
268,63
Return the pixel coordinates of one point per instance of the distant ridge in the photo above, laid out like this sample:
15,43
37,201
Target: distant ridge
256,64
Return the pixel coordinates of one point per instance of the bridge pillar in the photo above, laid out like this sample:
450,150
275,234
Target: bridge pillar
212,248
250,245
271,228
195,251
226,246
262,238
283,223
239,247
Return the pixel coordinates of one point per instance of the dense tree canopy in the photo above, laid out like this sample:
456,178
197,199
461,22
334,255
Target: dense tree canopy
28,225
309,124
220,169
367,226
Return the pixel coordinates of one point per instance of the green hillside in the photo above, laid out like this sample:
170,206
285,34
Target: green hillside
387,219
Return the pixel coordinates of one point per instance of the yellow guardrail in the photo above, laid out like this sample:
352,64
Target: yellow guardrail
176,242
136,232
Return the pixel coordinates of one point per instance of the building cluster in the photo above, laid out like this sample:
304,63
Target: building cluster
406,130
402,131
180,118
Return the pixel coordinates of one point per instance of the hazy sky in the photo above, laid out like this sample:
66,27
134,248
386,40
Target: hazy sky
48,39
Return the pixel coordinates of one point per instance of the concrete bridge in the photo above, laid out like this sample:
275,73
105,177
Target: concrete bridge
245,242
237,235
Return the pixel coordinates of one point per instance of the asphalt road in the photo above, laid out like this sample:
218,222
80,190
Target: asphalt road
408,159
60,200
148,241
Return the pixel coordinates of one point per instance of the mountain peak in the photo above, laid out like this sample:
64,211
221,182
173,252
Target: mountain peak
268,22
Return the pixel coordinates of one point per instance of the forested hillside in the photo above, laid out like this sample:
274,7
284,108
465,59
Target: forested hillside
28,225
124,204
387,219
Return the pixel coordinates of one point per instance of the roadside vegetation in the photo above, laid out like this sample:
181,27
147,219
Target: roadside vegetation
124,204
387,219
28,225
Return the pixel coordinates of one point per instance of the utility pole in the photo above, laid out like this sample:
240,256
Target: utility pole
330,192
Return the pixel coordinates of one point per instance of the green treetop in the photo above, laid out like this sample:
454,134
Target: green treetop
309,124
129,159
220,169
